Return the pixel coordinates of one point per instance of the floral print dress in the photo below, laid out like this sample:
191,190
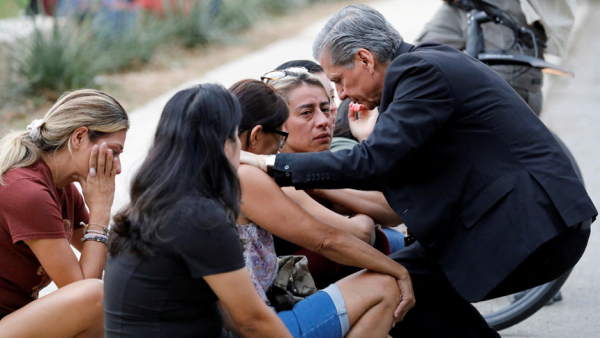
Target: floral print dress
260,257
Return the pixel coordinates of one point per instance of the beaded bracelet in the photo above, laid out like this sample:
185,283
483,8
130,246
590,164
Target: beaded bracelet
95,237
94,232
104,227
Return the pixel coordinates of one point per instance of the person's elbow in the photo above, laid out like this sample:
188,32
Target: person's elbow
250,328
328,241
254,322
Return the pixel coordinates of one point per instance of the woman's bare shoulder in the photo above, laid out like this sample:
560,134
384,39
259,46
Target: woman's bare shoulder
253,174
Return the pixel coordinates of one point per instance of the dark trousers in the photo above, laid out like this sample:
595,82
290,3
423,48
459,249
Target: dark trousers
441,312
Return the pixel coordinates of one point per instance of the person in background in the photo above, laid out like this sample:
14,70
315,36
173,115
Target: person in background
42,214
368,297
550,21
342,135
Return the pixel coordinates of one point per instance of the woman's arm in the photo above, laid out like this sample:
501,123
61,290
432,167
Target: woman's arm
56,255
370,203
60,263
361,227
265,204
250,315
99,193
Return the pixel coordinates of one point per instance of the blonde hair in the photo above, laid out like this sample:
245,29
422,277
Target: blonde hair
96,110
293,80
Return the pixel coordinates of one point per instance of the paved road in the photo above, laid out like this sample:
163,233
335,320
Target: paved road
571,110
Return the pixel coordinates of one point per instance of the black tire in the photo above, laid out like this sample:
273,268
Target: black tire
533,299
521,309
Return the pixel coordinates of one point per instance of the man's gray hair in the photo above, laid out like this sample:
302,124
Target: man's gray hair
355,27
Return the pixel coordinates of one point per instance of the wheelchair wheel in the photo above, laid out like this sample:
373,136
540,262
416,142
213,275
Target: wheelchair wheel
504,312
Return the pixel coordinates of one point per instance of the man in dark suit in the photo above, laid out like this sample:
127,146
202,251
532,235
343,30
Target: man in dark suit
482,184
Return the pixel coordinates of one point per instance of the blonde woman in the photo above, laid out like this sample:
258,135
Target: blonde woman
42,214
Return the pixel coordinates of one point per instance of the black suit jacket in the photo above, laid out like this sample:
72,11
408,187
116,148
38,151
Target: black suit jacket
475,175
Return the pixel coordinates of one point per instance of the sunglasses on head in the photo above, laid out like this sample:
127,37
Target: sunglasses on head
280,74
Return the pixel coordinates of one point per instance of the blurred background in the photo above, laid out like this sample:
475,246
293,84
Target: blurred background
133,49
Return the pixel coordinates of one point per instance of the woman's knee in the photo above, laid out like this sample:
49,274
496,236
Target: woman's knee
379,285
91,290
372,287
81,301
89,301
367,232
386,287
88,296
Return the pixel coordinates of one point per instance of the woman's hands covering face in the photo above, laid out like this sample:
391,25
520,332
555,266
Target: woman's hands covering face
98,187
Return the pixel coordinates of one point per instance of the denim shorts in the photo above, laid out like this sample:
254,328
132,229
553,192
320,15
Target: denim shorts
395,238
322,315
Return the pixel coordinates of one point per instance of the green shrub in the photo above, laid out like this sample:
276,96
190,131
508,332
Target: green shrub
76,50
129,46
190,24
11,8
236,15
57,60
280,7
73,52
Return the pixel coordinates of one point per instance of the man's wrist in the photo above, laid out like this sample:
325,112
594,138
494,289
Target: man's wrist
270,164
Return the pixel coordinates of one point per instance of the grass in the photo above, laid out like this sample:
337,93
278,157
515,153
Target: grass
11,8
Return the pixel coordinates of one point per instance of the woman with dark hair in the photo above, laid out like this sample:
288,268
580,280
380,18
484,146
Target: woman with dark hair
174,250
269,112
362,304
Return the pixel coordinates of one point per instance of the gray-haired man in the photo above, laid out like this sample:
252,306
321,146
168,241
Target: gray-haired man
482,184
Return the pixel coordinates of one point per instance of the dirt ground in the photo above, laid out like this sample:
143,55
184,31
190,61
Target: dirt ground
175,65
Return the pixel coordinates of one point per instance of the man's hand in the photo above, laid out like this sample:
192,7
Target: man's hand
407,296
259,161
362,127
